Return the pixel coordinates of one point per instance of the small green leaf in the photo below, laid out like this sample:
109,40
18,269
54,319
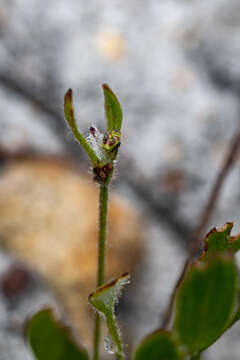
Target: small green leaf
220,241
103,301
113,109
107,295
50,340
69,114
158,346
205,302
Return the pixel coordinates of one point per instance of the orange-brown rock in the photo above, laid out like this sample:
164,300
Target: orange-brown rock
48,218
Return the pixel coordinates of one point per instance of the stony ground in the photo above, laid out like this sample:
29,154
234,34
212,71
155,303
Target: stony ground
175,68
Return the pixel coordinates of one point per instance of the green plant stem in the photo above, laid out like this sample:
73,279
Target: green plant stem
114,331
97,337
103,207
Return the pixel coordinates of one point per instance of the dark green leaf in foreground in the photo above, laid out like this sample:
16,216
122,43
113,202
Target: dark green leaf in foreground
205,302
219,240
113,109
158,346
103,301
196,356
50,340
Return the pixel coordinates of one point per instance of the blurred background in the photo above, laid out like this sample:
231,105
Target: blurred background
174,65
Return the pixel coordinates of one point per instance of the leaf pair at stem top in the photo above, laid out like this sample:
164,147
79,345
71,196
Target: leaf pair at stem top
101,149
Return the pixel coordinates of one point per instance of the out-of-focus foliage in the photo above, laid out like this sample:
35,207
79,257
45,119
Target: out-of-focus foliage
50,340
158,346
205,302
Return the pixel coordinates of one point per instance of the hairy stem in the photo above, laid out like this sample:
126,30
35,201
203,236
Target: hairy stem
115,334
103,207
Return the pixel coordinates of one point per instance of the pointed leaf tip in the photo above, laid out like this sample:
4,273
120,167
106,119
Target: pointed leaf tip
69,94
113,109
68,98
106,87
220,241
68,109
51,340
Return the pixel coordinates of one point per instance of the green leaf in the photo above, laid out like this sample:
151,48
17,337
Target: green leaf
205,302
113,109
103,301
69,114
196,357
235,318
50,340
220,241
158,346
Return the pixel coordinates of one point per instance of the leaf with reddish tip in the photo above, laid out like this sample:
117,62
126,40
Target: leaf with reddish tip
69,114
50,340
158,346
220,241
104,300
113,109
205,302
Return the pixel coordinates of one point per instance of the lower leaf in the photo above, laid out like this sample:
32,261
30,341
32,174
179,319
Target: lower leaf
158,346
205,302
50,340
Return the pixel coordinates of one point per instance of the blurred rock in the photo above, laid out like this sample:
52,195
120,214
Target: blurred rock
111,44
22,292
15,281
48,218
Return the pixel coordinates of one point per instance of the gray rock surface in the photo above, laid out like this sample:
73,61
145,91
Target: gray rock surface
175,67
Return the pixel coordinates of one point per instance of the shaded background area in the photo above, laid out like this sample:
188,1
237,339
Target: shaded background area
175,68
